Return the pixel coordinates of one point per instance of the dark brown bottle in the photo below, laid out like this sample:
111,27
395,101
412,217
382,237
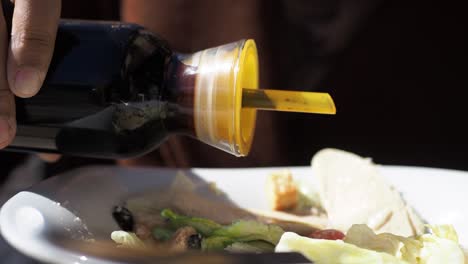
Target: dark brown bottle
115,90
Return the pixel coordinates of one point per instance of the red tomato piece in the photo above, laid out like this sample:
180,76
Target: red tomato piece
330,234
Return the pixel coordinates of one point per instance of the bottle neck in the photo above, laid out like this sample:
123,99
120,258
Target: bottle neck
160,85
178,92
199,94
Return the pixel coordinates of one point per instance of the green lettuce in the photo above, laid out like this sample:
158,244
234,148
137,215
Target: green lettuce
323,251
242,231
250,247
218,237
362,245
162,234
216,243
203,226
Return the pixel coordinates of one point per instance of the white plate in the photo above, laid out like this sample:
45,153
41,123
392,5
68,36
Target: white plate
35,221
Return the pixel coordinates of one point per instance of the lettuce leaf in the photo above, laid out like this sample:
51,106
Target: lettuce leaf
203,226
215,243
323,251
242,231
362,245
250,247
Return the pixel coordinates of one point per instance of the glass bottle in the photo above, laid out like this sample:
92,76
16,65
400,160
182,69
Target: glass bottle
115,90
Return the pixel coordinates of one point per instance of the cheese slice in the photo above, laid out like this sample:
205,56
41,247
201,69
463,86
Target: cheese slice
353,192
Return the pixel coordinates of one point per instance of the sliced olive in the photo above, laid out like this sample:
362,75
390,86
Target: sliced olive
124,218
194,241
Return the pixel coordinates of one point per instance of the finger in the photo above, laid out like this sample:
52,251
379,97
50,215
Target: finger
7,104
33,31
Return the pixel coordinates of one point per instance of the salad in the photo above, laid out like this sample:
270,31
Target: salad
193,233
350,215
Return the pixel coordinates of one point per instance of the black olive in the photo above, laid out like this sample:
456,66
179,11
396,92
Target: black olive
194,241
124,218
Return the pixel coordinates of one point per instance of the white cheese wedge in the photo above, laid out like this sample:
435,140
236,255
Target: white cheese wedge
353,192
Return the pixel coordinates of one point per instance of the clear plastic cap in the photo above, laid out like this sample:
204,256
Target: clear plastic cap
222,73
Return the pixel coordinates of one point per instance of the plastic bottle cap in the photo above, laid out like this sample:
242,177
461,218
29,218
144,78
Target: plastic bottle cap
222,73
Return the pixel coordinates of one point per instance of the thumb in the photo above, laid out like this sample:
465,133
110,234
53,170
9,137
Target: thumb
33,31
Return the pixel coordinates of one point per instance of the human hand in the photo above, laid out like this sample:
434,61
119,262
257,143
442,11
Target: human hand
25,57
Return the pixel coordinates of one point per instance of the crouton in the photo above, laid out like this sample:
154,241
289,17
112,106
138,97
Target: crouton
281,191
180,239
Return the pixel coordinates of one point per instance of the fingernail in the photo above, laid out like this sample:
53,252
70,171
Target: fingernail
4,130
27,81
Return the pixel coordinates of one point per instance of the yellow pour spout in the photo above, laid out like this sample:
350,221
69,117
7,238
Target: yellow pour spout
288,101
